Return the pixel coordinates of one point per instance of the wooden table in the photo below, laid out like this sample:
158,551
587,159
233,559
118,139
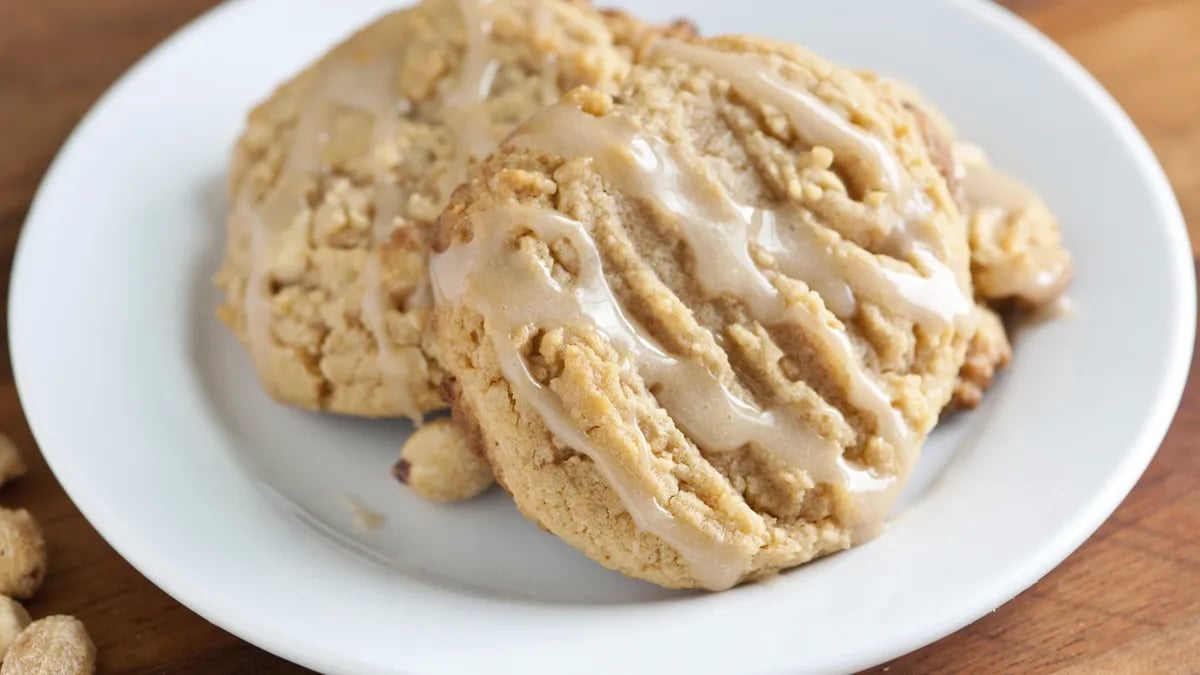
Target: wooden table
1127,601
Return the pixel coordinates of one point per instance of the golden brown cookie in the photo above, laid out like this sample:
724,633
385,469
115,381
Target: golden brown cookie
703,327
1018,260
1017,252
341,172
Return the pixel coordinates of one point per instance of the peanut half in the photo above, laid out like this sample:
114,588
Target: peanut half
22,554
55,645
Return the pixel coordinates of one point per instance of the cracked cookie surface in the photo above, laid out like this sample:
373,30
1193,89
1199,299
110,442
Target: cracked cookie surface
702,327
340,174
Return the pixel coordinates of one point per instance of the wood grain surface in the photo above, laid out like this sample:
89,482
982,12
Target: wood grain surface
1127,601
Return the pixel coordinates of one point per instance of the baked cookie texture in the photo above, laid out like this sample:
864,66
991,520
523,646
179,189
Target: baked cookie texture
1018,263
340,174
701,327
1017,252
1018,260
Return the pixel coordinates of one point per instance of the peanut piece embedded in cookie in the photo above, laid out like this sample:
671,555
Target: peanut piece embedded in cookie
987,352
439,464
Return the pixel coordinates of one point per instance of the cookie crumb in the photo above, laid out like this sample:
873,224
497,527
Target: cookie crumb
367,520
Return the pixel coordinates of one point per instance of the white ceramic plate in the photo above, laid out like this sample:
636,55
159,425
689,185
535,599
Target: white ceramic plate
151,419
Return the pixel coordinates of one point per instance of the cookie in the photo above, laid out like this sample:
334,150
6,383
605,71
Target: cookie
339,175
1018,260
701,328
1017,252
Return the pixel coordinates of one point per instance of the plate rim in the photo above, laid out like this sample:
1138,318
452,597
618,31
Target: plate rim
1071,535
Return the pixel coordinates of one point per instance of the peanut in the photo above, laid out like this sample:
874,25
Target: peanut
11,464
13,620
22,554
55,645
